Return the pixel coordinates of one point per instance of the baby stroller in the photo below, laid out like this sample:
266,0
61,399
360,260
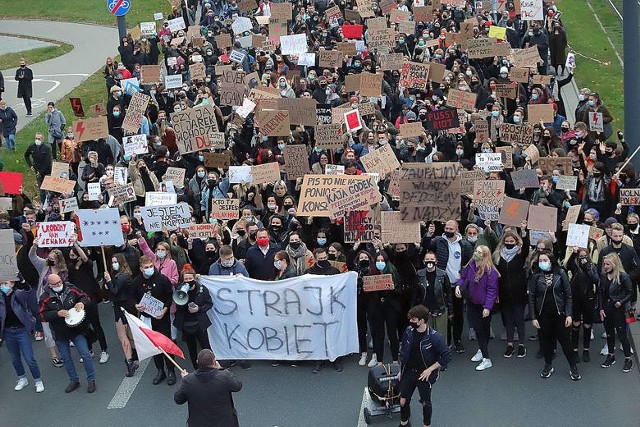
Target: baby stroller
383,392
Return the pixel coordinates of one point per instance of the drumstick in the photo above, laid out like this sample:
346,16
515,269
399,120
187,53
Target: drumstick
171,359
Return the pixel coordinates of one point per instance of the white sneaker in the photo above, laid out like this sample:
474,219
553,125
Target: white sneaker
104,357
477,357
485,364
592,334
363,359
373,362
22,383
604,335
39,387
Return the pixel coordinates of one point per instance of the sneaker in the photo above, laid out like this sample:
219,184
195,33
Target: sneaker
373,362
363,359
38,336
609,361
533,337
275,363
574,374
106,301
318,367
39,387
29,114
244,364
522,351
477,357
22,383
472,334
104,357
628,363
485,364
586,357
546,371
459,348
57,362
508,352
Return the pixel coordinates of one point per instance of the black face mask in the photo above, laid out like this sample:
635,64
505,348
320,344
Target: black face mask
211,254
587,222
331,257
509,245
253,234
324,263
276,227
51,263
449,234
430,265
288,206
241,232
211,182
294,245
597,174
616,242
583,261
364,263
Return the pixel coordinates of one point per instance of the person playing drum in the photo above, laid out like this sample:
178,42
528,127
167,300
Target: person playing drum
63,305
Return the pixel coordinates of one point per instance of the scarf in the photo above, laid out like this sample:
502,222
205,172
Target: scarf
509,254
298,256
494,129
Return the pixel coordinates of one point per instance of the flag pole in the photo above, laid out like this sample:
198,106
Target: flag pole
171,359
104,259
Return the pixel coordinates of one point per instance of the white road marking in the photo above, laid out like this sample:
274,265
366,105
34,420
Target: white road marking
62,75
365,402
55,84
127,387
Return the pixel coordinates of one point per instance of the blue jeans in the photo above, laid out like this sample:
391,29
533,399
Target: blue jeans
83,350
10,141
19,343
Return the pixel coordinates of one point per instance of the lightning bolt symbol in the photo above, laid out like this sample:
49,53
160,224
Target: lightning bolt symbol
512,210
79,130
595,117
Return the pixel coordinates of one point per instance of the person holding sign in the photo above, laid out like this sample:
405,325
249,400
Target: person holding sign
479,282
156,285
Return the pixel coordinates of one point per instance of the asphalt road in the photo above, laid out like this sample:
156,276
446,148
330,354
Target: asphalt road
509,394
54,78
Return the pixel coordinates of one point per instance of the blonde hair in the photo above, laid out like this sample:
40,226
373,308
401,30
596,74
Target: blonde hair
614,259
485,264
61,263
496,253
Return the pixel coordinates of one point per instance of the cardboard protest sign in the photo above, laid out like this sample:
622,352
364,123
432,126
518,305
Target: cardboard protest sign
367,109
57,185
482,130
507,156
549,164
239,174
517,134
266,173
407,130
135,144
430,191
364,8
197,71
68,205
160,198
150,305
329,136
302,111
467,179
89,129
225,209
8,264
596,233
167,216
330,58
370,84
442,119
323,114
543,218
60,170
391,61
379,282
76,106
595,122
383,40
460,99
525,178
531,10
54,234
202,231
382,161
98,227
358,226
532,154
395,230
537,112
330,169
119,194
275,122
387,6
520,75
296,161
480,48
489,162
406,27
513,212
509,90
525,58
137,107
332,195
397,15
578,235
414,75
572,216
150,74
422,13
630,196
487,197
195,129
217,160
223,41
175,175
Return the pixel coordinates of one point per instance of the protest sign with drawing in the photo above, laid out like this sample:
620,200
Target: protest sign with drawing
513,212
88,129
329,136
489,162
152,306
578,235
135,144
98,227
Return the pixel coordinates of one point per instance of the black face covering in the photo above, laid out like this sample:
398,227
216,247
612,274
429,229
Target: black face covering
509,245
364,263
332,257
294,245
241,232
253,234
324,263
430,264
449,234
211,254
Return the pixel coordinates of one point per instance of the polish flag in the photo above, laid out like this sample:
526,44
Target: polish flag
149,342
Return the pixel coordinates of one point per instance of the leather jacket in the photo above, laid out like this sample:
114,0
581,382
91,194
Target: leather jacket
561,293
619,291
442,290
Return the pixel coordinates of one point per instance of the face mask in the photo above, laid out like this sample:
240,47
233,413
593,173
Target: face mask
263,242
332,257
277,264
148,272
597,174
449,234
469,73
363,263
516,119
213,220
227,263
486,150
584,260
271,206
495,113
591,103
281,147
472,239
401,41
504,75
210,253
201,174
126,228
127,157
509,245
544,266
414,325
38,142
476,257
116,114
212,182
430,265
115,266
161,254
581,97
587,222
58,289
459,152
51,262
321,241
555,179
137,215
380,265
6,289
438,56
632,226
324,263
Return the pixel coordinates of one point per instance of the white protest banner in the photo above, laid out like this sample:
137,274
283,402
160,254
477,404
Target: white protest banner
68,205
531,10
177,24
304,318
170,216
489,162
131,85
578,235
488,196
8,265
294,44
334,169
93,189
54,234
173,82
630,196
120,175
240,25
98,227
152,306
202,231
135,144
308,59
119,194
148,28
247,107
159,198
158,16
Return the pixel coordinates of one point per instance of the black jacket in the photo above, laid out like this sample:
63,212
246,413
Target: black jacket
512,283
51,303
260,266
442,291
208,394
585,282
201,297
160,288
39,157
561,293
440,245
616,292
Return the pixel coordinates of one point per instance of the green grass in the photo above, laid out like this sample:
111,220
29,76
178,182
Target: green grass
586,37
39,54
91,11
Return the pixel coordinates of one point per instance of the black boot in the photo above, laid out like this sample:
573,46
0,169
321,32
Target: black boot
131,367
160,376
171,376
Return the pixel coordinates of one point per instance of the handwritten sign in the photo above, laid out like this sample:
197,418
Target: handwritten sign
578,235
395,230
531,10
90,129
414,75
201,231
517,134
152,306
595,122
488,196
266,173
329,136
68,205
8,264
57,185
170,217
159,198
630,196
567,182
460,99
358,226
379,282
489,162
525,178
467,179
332,195
195,129
442,119
506,154
225,209
382,161
296,161
55,234
543,218
175,175
135,144
137,107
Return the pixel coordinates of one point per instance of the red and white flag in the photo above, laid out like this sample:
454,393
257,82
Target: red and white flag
149,342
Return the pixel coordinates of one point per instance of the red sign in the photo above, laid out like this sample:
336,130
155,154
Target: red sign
11,181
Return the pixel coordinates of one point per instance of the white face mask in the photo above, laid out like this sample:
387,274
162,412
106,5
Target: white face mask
57,289
115,266
472,239
38,142
459,152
